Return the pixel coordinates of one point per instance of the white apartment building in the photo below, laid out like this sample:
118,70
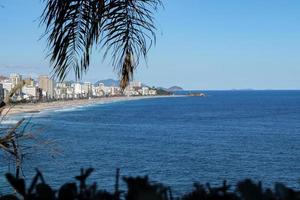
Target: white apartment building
114,91
60,92
136,84
30,92
70,92
105,89
78,90
152,92
130,91
7,86
87,89
15,79
145,91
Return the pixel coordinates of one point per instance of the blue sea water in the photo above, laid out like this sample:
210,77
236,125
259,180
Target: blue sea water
228,135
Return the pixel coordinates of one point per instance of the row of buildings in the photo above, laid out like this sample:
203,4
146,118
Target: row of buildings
45,88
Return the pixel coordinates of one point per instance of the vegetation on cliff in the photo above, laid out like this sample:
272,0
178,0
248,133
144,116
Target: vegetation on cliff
141,188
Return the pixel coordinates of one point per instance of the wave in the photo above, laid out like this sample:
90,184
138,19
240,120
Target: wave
79,107
9,121
65,109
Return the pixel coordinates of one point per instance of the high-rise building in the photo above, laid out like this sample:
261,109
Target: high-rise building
136,84
78,91
145,91
30,92
87,88
7,86
30,82
1,93
15,79
47,85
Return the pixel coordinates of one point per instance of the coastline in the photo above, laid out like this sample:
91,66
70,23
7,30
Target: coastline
32,108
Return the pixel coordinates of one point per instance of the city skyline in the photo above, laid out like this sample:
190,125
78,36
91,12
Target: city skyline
213,45
45,88
37,77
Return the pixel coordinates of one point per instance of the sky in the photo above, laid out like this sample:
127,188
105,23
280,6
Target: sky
201,44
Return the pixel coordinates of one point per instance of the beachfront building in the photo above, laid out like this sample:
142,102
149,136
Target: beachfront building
152,92
30,92
46,89
60,92
30,82
70,92
15,79
145,91
87,89
63,91
47,86
7,86
115,91
136,84
78,91
131,91
134,89
105,89
98,91
1,92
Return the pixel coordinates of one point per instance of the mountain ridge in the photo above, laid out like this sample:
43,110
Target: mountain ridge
174,89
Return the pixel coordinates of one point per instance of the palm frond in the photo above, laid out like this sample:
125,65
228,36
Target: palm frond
124,28
72,27
129,32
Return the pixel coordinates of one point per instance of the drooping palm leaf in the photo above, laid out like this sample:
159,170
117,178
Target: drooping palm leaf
72,27
124,28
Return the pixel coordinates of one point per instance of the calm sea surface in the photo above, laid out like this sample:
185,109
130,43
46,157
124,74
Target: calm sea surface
178,140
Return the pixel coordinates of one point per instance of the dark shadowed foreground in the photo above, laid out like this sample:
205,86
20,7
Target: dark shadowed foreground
140,188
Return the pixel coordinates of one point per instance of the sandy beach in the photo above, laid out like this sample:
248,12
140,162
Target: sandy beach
56,105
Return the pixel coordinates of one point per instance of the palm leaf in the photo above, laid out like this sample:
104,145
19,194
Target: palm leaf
124,28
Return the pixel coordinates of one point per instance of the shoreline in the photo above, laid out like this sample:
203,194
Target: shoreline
34,108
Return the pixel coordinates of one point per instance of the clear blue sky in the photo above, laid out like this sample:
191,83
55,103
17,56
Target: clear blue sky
201,44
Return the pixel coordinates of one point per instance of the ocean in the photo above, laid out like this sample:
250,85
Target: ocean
227,135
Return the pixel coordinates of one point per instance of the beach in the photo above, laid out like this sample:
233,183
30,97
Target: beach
61,104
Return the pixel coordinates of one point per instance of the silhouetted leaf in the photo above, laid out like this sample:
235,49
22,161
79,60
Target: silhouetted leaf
43,191
17,184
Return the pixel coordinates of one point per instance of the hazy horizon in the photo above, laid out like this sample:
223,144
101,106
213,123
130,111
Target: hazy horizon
166,86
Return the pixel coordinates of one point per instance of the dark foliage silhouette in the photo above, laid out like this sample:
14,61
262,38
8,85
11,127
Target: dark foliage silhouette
140,188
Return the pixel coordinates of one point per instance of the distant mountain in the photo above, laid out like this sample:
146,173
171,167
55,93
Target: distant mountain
175,89
115,83
109,82
161,88
161,91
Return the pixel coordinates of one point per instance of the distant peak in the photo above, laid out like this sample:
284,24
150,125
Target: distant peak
175,88
109,82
